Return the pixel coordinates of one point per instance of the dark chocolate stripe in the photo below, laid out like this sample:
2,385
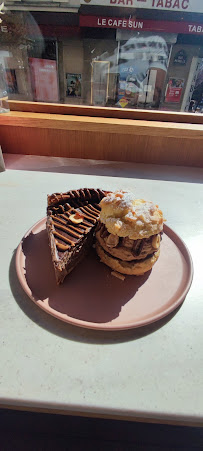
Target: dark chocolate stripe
89,209
97,210
87,215
79,228
62,205
64,238
67,230
56,218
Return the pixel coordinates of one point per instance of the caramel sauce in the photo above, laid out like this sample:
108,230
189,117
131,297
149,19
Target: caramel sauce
84,225
97,210
65,215
83,202
67,229
63,238
87,215
91,211
77,228
58,219
62,247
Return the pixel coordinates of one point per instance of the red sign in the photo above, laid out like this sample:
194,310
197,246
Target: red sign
141,25
174,90
44,79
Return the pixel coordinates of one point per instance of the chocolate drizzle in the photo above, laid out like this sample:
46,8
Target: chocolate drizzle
72,233
62,206
74,197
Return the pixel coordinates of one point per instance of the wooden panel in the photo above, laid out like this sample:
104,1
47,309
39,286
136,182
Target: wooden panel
83,110
102,125
106,139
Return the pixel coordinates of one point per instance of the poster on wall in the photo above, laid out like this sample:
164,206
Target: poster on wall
174,90
128,87
44,80
73,85
11,82
180,58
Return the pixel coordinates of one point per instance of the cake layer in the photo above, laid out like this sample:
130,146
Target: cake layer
71,221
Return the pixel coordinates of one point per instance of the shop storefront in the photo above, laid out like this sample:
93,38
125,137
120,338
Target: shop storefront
154,69
14,57
128,54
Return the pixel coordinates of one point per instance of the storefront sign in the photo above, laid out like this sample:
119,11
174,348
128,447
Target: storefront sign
195,6
3,28
174,90
141,25
44,79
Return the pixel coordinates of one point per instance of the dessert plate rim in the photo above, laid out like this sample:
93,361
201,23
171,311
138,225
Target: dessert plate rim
130,324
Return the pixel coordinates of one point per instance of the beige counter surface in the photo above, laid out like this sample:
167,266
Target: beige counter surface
152,373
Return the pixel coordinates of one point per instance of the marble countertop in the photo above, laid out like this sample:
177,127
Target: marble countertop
152,373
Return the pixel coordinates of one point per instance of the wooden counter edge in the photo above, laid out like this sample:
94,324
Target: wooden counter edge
108,112
100,124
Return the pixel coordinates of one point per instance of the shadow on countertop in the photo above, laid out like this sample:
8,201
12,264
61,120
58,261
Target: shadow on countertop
75,333
104,168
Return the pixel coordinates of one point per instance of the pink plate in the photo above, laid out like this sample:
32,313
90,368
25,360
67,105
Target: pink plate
91,297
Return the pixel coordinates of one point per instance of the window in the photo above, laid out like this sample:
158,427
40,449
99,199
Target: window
134,54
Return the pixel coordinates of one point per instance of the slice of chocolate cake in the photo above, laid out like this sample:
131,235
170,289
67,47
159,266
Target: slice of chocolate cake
71,221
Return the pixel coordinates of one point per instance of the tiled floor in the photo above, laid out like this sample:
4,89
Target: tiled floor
26,431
